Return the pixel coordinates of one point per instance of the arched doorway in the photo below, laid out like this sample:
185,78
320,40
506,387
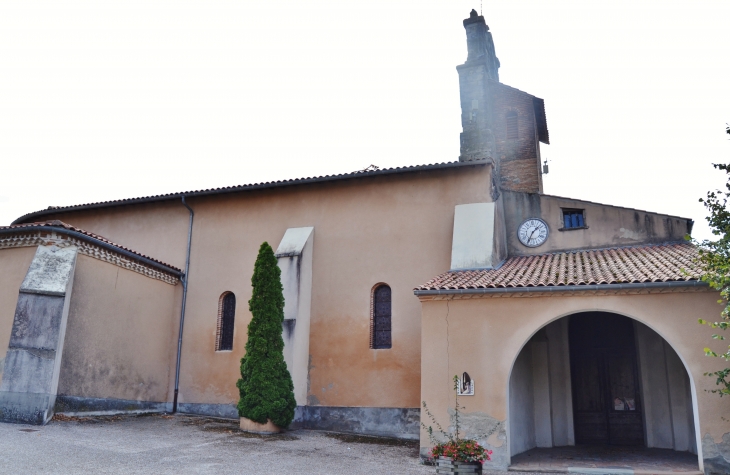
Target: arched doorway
599,379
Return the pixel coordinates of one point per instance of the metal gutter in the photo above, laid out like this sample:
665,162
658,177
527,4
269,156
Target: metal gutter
566,288
182,307
96,242
256,186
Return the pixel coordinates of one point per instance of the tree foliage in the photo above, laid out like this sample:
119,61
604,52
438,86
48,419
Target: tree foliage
266,387
715,258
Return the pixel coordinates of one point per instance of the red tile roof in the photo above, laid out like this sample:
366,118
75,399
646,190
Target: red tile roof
650,263
60,225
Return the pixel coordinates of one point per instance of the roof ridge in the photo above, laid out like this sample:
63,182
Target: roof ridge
248,187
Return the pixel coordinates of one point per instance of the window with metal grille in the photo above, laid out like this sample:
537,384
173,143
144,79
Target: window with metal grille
226,317
573,218
381,317
511,125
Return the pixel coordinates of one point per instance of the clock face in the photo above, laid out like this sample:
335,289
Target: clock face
533,232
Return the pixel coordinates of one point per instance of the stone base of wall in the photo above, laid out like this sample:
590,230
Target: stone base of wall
226,411
25,408
89,406
401,423
716,455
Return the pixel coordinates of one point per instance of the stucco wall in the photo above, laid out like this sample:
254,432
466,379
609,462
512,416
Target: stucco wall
607,225
484,337
666,393
120,335
522,414
561,394
395,229
158,230
14,264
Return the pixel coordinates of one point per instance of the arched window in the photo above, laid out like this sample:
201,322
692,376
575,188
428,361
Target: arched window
511,125
380,317
226,317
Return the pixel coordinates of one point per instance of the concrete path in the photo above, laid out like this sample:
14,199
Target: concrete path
161,444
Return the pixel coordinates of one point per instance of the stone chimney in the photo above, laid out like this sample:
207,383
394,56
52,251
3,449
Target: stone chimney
480,44
477,139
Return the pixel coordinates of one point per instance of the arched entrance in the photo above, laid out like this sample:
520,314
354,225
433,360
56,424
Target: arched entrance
599,379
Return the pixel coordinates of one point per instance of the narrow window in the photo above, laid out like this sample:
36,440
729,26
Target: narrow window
226,316
380,322
511,125
573,218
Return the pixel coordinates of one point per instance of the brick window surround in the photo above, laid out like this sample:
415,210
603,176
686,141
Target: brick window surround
380,317
226,319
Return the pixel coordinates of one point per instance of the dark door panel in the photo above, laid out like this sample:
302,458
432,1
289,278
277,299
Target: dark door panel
606,399
590,428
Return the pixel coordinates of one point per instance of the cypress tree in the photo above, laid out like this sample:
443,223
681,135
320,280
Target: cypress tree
266,387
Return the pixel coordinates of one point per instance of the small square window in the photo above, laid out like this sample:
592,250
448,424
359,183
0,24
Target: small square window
573,219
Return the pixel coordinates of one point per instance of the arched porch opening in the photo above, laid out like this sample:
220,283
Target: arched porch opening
600,380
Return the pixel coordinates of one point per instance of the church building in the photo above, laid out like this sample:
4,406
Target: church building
568,322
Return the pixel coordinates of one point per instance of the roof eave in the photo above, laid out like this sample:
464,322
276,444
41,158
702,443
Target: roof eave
541,120
96,242
565,288
34,216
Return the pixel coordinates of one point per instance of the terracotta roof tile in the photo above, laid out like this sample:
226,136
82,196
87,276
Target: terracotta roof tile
639,264
60,224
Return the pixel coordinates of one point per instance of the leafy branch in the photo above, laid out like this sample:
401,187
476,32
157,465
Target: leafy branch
714,256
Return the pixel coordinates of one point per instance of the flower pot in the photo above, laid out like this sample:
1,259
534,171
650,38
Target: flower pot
447,465
247,425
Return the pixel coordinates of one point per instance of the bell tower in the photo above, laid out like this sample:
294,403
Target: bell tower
499,123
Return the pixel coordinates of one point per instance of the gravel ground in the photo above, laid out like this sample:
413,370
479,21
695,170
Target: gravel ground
163,444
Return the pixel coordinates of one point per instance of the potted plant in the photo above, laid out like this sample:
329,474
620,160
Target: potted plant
454,454
267,393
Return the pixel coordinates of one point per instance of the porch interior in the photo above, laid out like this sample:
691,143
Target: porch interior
613,459
599,391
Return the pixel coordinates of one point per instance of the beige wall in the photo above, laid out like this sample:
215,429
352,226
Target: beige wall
607,225
395,229
121,335
14,264
483,336
158,230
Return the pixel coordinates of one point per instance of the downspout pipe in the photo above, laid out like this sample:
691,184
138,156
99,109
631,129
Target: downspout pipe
182,307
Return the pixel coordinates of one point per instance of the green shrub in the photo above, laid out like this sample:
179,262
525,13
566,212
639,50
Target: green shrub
266,387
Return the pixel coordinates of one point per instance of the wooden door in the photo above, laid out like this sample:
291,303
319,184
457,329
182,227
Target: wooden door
606,398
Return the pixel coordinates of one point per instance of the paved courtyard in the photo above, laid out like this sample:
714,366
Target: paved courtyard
163,444
638,460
